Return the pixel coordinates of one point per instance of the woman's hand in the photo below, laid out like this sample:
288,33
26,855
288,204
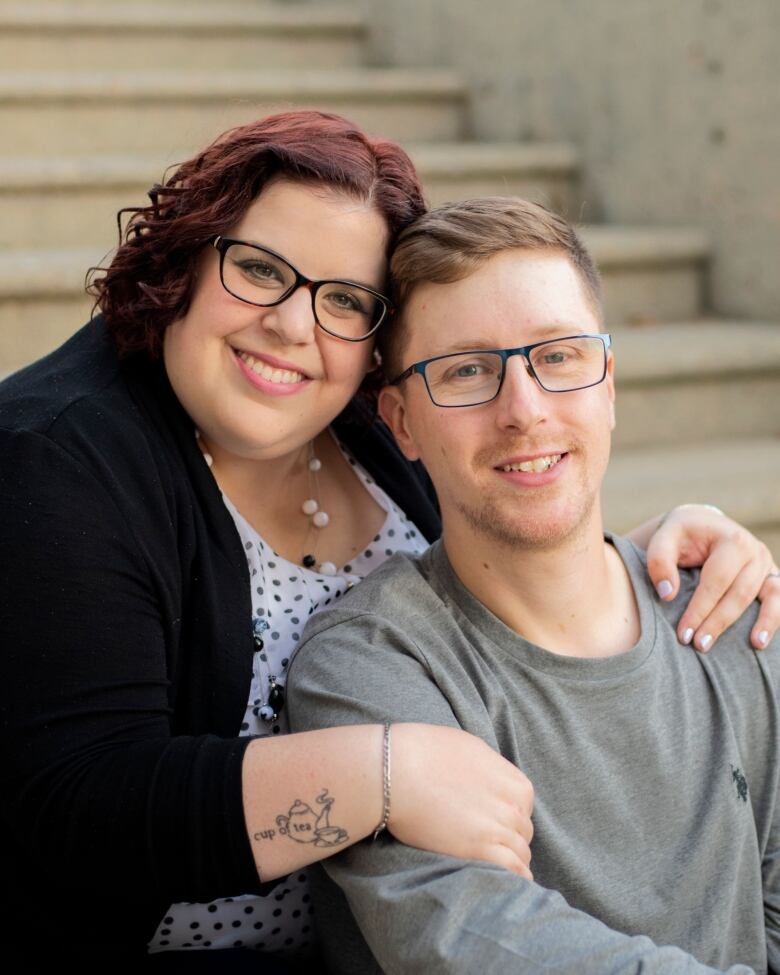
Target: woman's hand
453,794
736,569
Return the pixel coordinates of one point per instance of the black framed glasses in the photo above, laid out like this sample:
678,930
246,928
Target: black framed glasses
559,365
260,276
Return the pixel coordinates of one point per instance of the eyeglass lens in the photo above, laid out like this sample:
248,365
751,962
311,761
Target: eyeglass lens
475,377
261,278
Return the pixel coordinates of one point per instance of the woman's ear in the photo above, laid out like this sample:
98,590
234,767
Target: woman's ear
392,408
374,364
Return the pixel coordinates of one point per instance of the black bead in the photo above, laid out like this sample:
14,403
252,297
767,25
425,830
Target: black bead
276,697
309,561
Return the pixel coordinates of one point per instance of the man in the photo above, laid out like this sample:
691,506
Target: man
655,770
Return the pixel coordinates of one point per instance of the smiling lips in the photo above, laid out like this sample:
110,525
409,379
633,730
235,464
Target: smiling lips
270,373
536,466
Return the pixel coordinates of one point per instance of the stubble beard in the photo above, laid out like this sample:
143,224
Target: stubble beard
523,533
516,527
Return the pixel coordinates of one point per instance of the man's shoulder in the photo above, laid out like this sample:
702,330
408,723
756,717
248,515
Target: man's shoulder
376,655
732,657
399,592
733,642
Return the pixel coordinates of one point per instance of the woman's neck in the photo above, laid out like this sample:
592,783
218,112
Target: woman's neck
270,494
275,484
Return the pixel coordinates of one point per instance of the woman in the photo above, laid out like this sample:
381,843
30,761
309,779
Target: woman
182,484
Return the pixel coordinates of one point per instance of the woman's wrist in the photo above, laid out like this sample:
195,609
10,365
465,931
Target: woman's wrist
312,794
385,781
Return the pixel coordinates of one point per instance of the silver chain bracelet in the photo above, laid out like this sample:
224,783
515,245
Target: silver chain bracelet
385,781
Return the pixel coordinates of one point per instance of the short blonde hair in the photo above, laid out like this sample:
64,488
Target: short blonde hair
451,242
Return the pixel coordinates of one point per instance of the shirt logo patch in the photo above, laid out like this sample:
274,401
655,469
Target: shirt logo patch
740,782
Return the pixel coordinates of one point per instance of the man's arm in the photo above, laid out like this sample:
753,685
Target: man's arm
770,868
771,876
420,911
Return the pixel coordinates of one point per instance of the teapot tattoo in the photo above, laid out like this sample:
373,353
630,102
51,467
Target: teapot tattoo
306,825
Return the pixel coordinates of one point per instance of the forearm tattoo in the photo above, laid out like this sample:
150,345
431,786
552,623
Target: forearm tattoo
306,825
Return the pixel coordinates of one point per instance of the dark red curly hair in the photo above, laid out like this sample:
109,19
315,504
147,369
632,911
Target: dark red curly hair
149,282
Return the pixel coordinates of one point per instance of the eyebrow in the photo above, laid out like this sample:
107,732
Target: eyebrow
478,343
265,247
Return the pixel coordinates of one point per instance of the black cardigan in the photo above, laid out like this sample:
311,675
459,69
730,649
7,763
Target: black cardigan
126,652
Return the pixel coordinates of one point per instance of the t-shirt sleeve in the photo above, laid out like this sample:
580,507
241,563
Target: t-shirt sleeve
420,911
769,660
771,879
95,786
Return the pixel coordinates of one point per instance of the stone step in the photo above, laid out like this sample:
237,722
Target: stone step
41,297
740,476
650,274
245,4
99,36
697,382
163,112
32,282
63,201
546,172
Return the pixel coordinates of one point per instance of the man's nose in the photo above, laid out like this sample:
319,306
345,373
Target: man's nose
521,403
293,320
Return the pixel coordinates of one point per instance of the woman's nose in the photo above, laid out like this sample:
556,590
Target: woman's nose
293,320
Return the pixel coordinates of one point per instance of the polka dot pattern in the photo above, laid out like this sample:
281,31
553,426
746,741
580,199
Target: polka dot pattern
284,595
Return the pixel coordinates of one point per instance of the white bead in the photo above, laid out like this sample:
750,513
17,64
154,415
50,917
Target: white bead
327,569
208,458
321,519
315,464
310,506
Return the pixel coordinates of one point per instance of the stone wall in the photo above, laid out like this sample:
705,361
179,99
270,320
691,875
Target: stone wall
674,105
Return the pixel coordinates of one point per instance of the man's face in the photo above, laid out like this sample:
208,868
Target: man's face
516,298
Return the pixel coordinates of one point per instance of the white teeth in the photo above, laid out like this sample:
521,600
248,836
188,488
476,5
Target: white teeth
535,466
268,372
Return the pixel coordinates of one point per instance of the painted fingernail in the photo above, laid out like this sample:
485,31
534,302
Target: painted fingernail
664,588
687,636
705,641
763,638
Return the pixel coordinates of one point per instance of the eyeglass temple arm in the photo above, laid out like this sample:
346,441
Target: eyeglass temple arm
406,373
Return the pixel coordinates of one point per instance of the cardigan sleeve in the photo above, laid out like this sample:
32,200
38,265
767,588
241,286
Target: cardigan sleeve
95,787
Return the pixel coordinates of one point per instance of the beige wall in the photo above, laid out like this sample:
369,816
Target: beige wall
674,104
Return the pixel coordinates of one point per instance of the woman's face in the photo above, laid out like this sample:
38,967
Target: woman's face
222,355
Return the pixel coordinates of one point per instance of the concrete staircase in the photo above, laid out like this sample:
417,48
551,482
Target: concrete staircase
96,99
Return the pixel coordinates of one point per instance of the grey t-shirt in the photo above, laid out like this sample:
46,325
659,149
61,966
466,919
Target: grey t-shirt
655,773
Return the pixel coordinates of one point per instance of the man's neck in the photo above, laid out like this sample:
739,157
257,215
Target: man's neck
574,599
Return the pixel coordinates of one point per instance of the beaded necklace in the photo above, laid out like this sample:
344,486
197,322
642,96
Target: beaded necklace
318,518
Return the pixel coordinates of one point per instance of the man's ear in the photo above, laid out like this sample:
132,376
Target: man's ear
392,409
610,381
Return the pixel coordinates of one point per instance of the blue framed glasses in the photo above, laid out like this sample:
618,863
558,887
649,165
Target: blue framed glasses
560,365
